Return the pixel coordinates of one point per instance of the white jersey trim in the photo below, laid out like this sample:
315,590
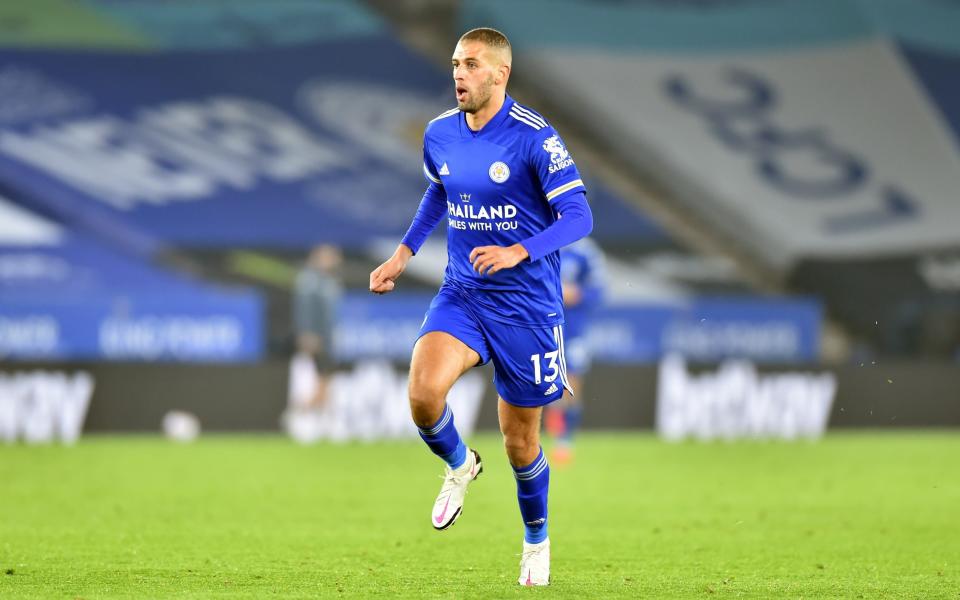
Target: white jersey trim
445,114
530,114
558,335
571,185
524,119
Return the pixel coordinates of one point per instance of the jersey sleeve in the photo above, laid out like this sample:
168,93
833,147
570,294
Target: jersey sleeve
576,222
429,170
432,208
554,166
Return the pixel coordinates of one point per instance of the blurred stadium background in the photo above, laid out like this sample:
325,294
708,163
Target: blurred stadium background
774,183
771,183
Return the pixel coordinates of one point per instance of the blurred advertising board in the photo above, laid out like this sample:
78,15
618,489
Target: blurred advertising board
41,406
736,401
731,399
67,296
703,329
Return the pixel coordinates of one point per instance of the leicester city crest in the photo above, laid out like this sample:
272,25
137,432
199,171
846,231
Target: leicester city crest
499,172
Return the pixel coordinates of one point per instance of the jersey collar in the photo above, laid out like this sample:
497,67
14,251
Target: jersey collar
492,124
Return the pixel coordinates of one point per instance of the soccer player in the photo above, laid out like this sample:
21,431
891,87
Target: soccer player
502,177
583,276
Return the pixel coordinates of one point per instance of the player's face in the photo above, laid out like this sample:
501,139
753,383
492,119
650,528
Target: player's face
474,75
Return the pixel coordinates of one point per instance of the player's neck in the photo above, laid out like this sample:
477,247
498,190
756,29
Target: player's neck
476,120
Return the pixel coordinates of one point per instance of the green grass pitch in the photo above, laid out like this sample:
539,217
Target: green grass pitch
857,515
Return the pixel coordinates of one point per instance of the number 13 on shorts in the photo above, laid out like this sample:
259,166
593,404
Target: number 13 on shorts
549,361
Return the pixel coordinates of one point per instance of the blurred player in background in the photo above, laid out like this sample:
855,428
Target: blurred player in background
502,177
316,297
584,280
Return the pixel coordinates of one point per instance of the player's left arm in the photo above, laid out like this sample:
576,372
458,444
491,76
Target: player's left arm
575,223
564,190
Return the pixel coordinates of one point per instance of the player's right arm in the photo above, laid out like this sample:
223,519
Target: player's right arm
383,277
432,208
431,211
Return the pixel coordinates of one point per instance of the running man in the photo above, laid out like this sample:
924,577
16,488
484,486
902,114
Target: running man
584,280
502,177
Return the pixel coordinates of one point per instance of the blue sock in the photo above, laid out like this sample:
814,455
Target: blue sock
571,418
443,439
533,482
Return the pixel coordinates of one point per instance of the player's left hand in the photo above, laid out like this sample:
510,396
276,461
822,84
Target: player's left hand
487,260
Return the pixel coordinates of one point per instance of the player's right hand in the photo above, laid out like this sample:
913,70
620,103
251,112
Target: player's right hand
383,278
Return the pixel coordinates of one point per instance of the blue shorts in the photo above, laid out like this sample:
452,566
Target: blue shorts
529,365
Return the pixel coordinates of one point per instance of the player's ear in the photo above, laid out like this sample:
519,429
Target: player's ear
504,73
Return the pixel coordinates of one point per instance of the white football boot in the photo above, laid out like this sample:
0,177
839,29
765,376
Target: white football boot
449,504
535,564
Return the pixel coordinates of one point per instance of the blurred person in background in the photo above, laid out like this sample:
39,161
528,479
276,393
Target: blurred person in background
584,279
317,292
500,176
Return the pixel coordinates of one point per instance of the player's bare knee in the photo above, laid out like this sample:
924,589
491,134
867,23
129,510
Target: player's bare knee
521,449
426,400
424,390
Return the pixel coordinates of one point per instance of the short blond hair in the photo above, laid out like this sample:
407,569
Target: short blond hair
492,39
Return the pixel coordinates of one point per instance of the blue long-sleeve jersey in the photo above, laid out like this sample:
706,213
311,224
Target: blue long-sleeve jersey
507,183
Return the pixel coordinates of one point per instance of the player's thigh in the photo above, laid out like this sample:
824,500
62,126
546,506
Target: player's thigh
529,366
451,341
439,359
